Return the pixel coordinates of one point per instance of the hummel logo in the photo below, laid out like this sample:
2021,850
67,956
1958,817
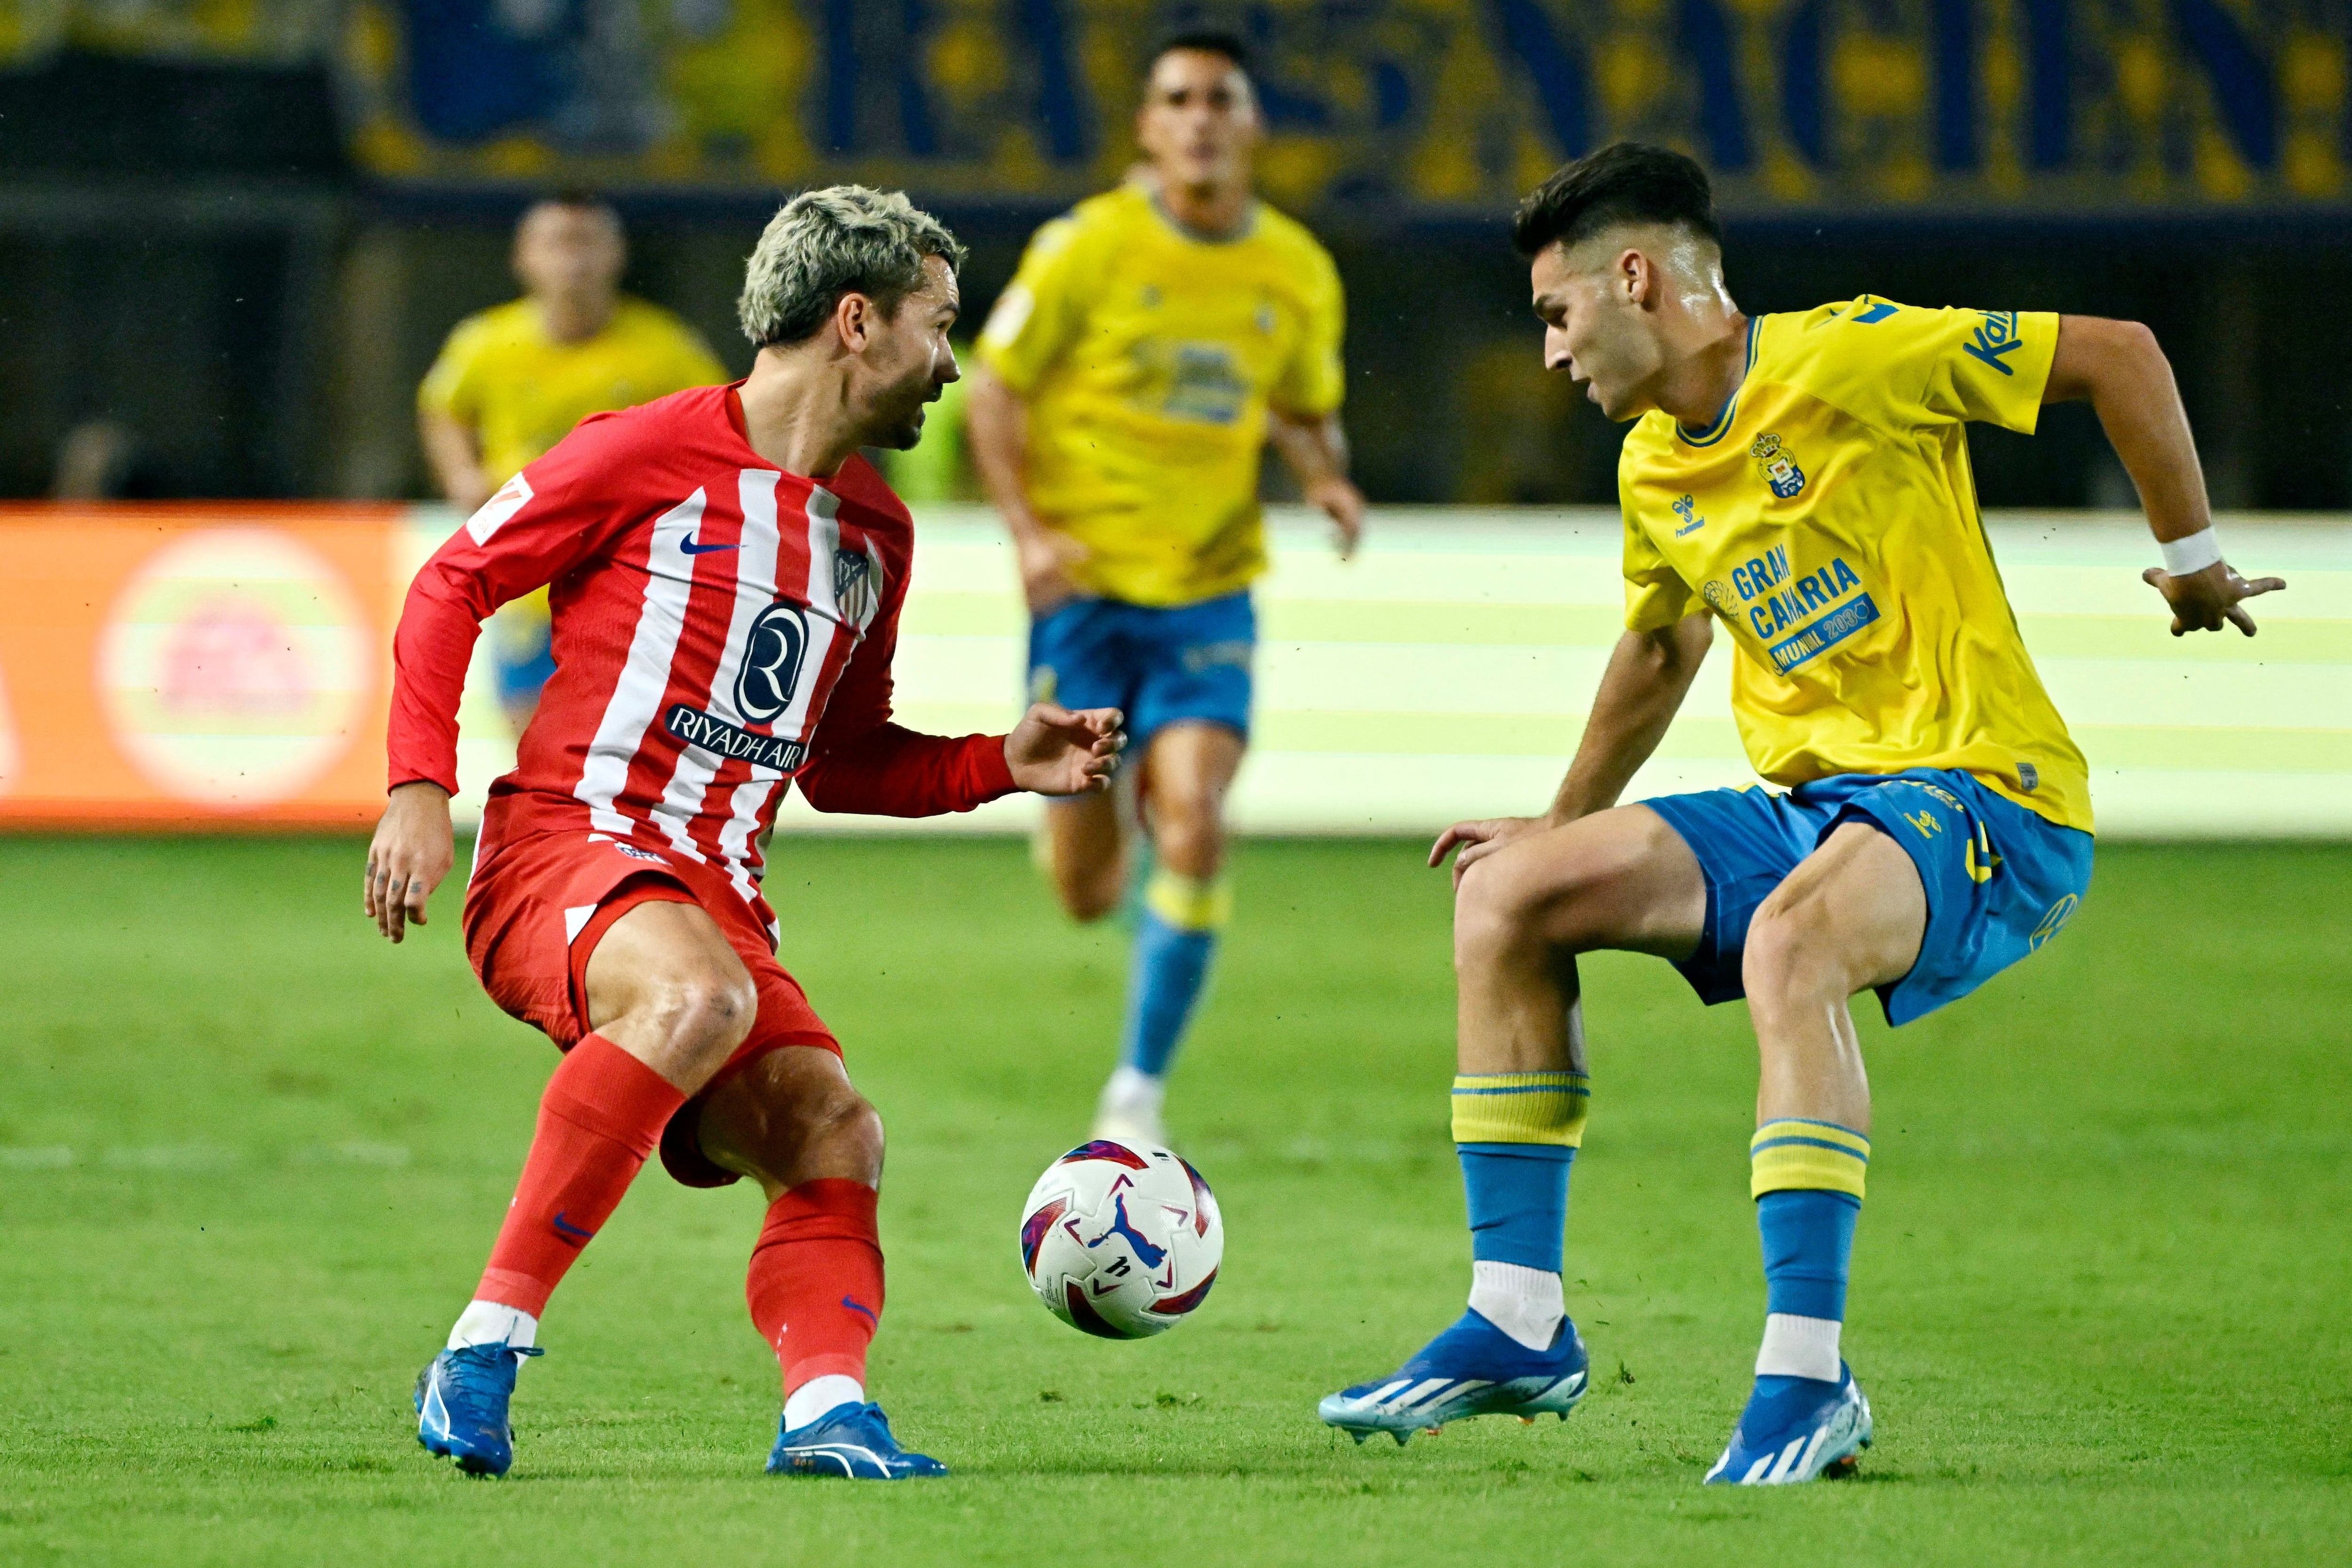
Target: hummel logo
690,547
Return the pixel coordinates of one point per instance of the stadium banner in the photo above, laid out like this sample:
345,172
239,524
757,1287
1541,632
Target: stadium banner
196,666
227,666
2057,108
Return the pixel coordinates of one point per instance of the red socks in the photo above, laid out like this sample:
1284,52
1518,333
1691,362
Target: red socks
816,1281
602,1113
815,1285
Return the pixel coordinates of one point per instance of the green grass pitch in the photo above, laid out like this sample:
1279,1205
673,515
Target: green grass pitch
250,1159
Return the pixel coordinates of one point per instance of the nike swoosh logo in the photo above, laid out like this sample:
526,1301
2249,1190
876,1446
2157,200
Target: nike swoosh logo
690,547
571,1232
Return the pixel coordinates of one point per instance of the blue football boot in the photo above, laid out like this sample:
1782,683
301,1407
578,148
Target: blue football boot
850,1440
461,1405
1472,1369
1794,1429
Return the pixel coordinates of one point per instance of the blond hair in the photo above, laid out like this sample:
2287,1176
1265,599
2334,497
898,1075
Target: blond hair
844,239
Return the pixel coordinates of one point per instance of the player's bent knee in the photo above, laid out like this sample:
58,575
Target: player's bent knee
707,1011
1087,898
1792,953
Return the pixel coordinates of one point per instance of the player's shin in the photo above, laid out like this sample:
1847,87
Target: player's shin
601,1115
1808,1185
816,1292
1517,1134
1176,936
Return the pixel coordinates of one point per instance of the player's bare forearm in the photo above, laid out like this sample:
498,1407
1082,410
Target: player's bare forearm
996,429
1316,453
456,465
412,851
1641,691
2120,369
1649,675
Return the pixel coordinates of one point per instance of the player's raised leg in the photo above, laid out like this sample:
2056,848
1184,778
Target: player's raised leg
1619,879
1852,916
1189,769
669,1001
791,1119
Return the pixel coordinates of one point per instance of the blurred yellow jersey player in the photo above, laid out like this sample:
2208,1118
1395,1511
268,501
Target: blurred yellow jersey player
1155,340
512,380
1827,516
1150,357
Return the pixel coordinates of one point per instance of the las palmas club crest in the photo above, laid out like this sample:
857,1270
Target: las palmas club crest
1778,464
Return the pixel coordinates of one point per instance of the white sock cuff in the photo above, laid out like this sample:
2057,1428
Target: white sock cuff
812,1399
1799,1347
1518,1281
1525,1303
494,1322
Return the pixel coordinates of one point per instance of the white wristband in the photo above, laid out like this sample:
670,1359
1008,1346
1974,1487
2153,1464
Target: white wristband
2194,553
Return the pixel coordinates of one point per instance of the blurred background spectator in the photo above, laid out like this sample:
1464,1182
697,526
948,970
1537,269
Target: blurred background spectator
512,380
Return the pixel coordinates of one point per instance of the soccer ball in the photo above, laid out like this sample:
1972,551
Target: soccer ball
1121,1241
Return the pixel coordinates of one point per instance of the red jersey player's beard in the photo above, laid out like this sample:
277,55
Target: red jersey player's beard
898,424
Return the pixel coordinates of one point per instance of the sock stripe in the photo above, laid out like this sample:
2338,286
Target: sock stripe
1791,1154
1522,1108
1189,903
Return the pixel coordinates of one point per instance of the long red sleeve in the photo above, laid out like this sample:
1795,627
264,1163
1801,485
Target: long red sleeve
525,537
865,763
430,652
892,772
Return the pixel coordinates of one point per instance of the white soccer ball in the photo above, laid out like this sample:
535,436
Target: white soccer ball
1121,1241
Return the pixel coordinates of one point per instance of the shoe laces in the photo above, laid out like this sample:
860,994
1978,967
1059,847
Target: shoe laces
478,1369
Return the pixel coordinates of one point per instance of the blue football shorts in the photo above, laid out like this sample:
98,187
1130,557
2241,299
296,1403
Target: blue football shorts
1157,664
2001,880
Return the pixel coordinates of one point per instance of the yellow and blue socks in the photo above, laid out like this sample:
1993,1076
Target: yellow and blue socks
1807,1179
1175,936
1517,1134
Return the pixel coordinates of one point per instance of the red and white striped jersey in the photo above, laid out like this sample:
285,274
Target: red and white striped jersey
719,629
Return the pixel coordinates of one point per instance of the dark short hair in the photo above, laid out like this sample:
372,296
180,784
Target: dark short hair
1207,40
1625,182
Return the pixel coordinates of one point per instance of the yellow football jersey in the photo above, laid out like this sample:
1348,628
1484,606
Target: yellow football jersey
521,391
1149,358
1829,518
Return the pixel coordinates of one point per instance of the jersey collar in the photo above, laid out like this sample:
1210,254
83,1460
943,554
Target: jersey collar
1159,209
1715,432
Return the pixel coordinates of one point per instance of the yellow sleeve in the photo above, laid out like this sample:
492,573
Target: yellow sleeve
1906,366
451,386
1040,310
1314,382
1655,594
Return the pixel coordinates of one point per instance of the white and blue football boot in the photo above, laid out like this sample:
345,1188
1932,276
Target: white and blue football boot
1794,1429
849,1440
1472,1369
461,1405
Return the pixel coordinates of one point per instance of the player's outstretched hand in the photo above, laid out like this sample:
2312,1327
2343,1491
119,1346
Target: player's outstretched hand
2203,600
1055,751
1478,840
410,853
1344,504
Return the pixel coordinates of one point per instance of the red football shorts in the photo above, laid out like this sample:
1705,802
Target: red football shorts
537,907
